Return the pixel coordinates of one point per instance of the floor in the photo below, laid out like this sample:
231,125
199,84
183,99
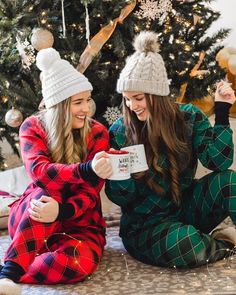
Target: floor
120,274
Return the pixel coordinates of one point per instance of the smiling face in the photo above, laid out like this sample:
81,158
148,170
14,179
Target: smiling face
136,102
80,107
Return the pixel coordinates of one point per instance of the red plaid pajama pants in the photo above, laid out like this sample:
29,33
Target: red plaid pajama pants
47,253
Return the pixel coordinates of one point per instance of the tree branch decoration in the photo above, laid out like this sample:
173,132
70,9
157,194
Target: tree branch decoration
96,43
194,72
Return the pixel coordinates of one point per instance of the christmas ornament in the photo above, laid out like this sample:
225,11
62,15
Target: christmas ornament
26,52
232,64
112,114
92,108
154,9
232,79
222,58
13,118
41,39
226,59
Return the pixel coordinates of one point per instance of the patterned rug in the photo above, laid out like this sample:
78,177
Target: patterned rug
120,274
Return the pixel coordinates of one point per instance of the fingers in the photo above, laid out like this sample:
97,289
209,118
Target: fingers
34,215
35,205
225,89
103,168
35,208
100,155
101,165
225,93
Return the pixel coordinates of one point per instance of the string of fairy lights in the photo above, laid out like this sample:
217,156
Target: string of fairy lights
178,276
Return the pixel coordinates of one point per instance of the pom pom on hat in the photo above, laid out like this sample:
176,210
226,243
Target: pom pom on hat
146,42
45,58
60,80
145,69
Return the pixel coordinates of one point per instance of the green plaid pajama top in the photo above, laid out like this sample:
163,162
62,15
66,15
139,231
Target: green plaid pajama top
156,231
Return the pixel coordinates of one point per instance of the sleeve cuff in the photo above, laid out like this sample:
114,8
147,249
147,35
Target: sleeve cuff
222,113
65,211
86,171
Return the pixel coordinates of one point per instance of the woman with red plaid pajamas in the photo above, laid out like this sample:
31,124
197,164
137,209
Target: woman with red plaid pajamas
167,214
56,226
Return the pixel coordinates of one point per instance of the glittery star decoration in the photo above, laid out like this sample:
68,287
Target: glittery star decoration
154,9
112,114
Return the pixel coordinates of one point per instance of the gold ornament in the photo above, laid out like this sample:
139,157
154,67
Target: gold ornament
92,108
41,39
226,59
232,64
13,118
222,58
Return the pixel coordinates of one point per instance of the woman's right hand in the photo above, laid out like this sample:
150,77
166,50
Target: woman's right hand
225,93
101,165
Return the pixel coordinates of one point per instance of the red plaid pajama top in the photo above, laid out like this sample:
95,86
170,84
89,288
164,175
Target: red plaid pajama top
68,261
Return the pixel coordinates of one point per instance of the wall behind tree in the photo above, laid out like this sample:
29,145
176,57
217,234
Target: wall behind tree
227,20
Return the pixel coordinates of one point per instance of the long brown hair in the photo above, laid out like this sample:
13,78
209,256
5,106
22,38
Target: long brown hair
163,133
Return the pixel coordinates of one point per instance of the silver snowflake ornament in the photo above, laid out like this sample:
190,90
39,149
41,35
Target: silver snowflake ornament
112,114
154,9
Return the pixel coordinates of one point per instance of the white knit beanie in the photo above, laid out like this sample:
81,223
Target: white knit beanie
145,69
60,80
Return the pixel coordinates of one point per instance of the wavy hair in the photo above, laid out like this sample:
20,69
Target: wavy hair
65,144
163,133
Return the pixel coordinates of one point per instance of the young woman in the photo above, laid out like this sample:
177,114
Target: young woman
167,214
57,228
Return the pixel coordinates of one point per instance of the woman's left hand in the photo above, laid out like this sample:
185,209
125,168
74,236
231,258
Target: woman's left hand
225,93
45,209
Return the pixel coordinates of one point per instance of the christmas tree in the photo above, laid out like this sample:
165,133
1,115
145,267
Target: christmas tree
188,52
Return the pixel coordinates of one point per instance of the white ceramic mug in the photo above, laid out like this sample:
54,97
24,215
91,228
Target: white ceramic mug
138,161
120,162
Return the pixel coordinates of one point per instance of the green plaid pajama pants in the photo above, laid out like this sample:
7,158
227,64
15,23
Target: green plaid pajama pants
185,242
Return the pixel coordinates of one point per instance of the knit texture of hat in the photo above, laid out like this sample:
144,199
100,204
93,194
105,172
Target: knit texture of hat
60,80
145,69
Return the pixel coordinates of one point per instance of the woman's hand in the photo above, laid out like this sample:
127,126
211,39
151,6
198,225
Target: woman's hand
225,93
45,209
101,165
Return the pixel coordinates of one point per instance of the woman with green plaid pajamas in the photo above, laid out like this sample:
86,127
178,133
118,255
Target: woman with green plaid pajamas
167,214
